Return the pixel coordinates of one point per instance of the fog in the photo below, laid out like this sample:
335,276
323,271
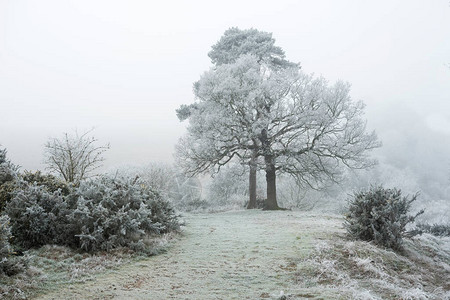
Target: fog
123,67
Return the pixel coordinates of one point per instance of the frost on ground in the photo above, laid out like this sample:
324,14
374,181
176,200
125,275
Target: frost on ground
270,255
361,270
232,255
51,266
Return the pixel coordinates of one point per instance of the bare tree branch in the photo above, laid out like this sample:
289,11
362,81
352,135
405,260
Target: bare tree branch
74,157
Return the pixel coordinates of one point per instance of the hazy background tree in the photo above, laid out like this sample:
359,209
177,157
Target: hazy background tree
182,191
74,157
230,188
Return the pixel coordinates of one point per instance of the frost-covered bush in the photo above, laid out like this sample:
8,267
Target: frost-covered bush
9,265
8,174
5,247
379,215
39,217
49,182
183,192
435,229
100,214
114,212
6,192
7,169
158,176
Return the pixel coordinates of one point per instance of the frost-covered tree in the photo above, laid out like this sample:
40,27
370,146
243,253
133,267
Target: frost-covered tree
74,157
234,44
312,131
297,124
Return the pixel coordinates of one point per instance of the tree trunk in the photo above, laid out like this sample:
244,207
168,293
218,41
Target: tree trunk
271,180
252,184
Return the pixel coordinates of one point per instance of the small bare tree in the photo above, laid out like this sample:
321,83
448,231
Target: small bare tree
74,157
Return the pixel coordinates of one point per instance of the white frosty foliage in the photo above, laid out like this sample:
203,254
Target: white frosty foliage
74,156
5,247
167,180
259,108
312,128
120,211
236,42
100,214
7,169
361,270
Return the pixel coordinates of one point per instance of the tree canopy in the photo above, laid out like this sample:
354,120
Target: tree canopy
236,42
248,107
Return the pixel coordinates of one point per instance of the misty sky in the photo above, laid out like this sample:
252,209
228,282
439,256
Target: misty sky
123,67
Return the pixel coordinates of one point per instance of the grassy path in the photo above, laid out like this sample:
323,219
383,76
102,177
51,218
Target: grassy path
232,255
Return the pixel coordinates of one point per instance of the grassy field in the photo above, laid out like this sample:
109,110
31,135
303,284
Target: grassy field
256,255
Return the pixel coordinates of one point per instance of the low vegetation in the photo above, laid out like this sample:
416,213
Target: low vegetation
8,174
279,254
435,229
51,266
49,182
9,264
91,225
380,215
362,270
101,214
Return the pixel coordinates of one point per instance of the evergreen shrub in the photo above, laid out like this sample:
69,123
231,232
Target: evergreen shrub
435,229
5,247
7,169
7,179
48,181
6,192
100,214
39,217
9,265
380,215
120,211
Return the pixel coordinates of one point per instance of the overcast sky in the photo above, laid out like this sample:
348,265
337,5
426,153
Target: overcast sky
123,67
